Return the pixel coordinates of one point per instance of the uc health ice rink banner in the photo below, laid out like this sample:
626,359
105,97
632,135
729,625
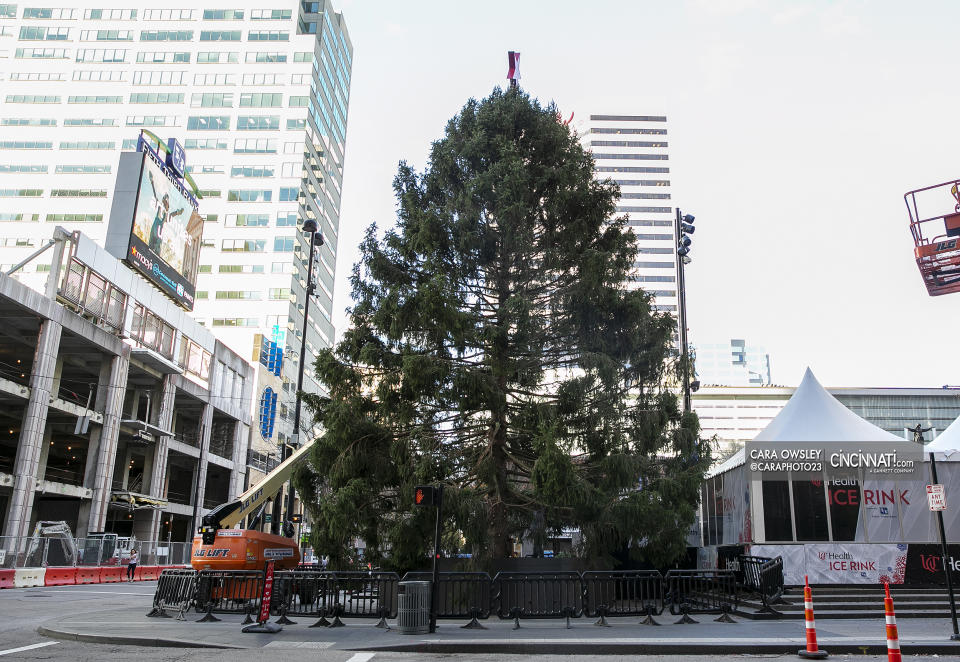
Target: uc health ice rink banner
839,563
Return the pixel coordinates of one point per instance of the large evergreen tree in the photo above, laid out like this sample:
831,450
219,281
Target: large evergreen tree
495,347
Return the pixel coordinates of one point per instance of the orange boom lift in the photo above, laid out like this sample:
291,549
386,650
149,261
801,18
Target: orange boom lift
221,547
935,226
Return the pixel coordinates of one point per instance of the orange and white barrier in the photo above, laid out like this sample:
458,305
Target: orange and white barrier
893,639
28,577
811,652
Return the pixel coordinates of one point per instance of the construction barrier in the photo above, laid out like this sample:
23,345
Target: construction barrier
175,589
88,575
304,592
6,578
701,591
365,594
147,572
230,591
539,595
60,577
111,574
28,577
623,593
459,594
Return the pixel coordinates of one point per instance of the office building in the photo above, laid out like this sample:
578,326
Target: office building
632,150
734,363
258,95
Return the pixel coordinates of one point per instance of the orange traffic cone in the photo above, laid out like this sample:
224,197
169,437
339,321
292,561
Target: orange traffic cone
811,652
893,639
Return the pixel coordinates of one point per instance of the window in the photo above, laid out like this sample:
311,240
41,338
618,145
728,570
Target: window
42,53
289,193
8,11
18,242
56,14
236,321
262,79
44,34
270,14
83,169
249,195
205,268
4,216
281,268
646,210
634,157
212,100
209,143
300,79
248,220
159,77
254,146
283,244
299,101
94,99
207,80
644,196
153,120
260,100
88,144
626,143
156,97
223,14
653,265
642,182
241,268
653,279
286,219
249,295
78,193
168,14
209,123
110,14
150,331
262,57
653,132
25,144
17,169
101,55
74,218
243,245
21,192
163,57
106,75
258,123
220,35
279,293
215,57
106,35
292,169
268,35
252,171
166,35
27,121
37,75
90,122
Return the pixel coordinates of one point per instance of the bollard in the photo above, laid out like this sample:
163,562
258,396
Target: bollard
893,639
811,652
648,619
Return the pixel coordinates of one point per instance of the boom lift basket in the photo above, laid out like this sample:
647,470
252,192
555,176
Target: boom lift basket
935,226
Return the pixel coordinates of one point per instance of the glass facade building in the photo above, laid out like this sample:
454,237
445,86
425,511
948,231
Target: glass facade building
258,94
732,364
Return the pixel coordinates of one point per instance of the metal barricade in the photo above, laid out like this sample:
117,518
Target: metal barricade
175,589
228,591
623,592
701,591
771,581
538,595
750,567
303,592
365,594
459,594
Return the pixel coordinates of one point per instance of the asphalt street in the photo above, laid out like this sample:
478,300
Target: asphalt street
23,611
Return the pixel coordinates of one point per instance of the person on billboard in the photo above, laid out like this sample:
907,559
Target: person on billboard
163,215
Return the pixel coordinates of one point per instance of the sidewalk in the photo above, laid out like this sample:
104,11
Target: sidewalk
624,636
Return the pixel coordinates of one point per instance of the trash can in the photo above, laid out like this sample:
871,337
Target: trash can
413,607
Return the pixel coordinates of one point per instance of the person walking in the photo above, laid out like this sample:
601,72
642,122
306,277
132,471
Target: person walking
132,565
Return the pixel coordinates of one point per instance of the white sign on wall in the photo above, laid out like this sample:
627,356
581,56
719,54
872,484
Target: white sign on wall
936,497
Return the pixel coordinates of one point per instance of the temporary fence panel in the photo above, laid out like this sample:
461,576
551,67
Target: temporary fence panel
623,592
176,588
303,592
227,591
750,567
701,591
538,595
459,594
366,594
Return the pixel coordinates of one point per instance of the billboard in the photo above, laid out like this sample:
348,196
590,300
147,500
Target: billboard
165,238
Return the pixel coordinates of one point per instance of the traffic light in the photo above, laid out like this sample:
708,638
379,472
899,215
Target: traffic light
425,495
296,518
683,241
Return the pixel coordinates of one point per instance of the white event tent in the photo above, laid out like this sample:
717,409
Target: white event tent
837,531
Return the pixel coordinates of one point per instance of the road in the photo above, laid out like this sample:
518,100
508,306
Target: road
22,611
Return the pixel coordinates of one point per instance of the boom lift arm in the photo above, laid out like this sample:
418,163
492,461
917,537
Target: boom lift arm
227,515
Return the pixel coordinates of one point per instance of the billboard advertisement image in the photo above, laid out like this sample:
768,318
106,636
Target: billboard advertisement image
166,233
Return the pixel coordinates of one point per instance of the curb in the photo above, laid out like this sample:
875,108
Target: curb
155,642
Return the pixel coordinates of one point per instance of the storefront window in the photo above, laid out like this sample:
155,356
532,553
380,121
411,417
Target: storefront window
810,510
776,511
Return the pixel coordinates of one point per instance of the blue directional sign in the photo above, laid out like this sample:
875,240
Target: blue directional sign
176,157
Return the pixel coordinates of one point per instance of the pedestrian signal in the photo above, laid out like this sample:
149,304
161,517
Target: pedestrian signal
425,495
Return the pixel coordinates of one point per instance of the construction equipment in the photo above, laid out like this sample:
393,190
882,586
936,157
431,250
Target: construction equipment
221,547
935,226
59,530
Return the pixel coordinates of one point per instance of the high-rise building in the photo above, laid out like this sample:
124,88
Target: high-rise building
256,92
732,364
632,151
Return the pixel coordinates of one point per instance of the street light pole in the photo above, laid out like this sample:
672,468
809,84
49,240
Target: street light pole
682,251
945,555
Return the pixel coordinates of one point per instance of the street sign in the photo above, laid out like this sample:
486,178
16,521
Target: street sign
425,495
267,593
268,518
936,497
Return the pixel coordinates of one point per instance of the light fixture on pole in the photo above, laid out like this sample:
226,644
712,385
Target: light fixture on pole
684,228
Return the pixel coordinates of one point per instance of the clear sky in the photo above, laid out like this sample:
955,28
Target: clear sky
795,129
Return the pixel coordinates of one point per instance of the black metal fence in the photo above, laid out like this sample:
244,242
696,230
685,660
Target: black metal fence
537,595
